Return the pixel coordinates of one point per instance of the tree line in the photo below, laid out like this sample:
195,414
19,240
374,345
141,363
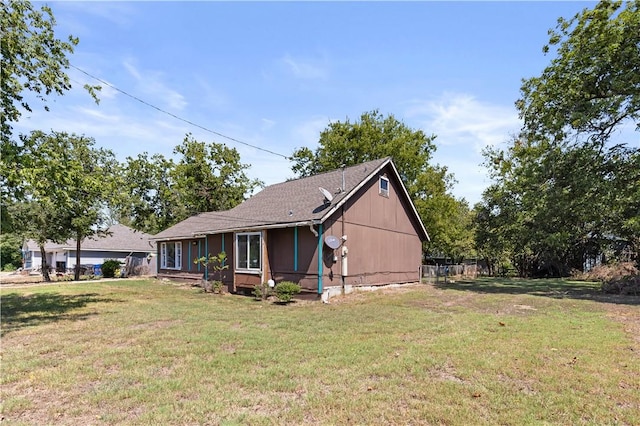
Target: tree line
564,191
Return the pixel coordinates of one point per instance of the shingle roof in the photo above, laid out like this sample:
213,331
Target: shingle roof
292,202
120,238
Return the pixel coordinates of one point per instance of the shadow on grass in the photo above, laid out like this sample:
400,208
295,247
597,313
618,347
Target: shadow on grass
19,311
554,288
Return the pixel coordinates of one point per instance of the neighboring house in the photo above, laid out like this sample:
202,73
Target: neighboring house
120,242
364,232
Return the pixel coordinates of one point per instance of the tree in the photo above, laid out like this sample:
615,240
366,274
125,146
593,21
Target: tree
147,201
157,193
67,184
376,136
567,188
553,208
209,177
33,62
10,251
373,136
592,86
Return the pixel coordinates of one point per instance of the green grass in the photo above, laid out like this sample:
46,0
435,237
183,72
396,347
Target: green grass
483,352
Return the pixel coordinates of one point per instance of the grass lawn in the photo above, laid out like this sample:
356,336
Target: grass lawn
489,352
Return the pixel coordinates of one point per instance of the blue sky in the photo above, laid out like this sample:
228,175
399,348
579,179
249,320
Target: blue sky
275,74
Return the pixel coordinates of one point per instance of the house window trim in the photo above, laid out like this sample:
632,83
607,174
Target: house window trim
177,250
381,191
248,270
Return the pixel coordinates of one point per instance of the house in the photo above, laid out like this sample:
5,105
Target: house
119,243
330,233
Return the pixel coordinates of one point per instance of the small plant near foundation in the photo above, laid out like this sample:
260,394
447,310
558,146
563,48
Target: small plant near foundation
261,291
215,265
285,291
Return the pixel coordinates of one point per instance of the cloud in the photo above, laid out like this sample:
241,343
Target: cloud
464,126
266,124
150,83
307,133
461,119
306,69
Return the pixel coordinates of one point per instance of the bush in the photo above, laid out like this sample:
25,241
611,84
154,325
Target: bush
10,251
9,267
261,291
285,290
109,268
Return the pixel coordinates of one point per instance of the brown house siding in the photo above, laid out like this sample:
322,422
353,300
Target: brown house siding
282,256
382,240
194,248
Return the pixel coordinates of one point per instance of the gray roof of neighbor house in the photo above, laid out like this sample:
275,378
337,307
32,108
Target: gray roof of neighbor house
288,203
119,238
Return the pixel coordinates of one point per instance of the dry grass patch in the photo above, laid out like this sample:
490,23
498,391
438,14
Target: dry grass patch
146,352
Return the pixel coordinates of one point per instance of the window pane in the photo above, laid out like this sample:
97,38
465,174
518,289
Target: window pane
242,252
171,255
254,251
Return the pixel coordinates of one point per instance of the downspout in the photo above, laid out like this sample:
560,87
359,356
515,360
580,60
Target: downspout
319,234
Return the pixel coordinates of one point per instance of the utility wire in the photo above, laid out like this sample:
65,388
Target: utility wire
286,157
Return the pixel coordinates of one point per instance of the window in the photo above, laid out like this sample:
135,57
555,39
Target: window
384,186
248,251
171,255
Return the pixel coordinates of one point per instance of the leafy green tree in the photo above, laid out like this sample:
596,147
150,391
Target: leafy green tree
158,192
376,136
552,208
33,64
592,86
567,189
67,185
209,177
10,251
146,201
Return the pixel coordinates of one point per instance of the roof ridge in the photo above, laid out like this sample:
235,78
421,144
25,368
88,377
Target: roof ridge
381,160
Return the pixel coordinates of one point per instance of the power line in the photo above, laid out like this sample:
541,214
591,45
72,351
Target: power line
286,157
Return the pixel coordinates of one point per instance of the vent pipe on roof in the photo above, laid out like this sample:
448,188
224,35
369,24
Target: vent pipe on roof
343,180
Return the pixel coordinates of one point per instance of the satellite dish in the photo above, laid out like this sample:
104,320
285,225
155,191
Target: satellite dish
332,241
327,195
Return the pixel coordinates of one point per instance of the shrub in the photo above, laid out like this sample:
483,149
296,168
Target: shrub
261,291
9,267
285,290
109,268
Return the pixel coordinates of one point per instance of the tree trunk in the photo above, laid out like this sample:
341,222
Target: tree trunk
44,265
76,273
